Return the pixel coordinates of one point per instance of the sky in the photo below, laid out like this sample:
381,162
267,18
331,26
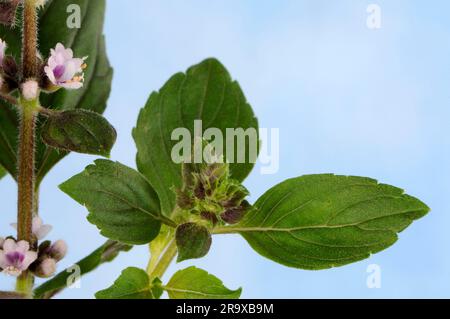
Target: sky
347,99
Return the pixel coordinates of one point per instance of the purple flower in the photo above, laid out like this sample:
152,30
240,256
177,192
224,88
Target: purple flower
2,51
16,257
63,70
39,230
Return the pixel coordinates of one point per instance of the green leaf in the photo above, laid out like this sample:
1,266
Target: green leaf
193,241
323,221
195,283
121,203
86,41
133,283
205,92
156,288
80,131
2,172
106,253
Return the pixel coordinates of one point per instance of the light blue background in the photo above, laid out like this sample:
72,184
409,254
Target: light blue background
347,100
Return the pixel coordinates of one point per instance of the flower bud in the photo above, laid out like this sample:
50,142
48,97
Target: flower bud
58,250
2,240
8,12
9,66
184,200
211,217
30,90
234,215
200,191
45,268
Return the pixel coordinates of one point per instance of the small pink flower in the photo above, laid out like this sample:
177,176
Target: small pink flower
2,51
39,230
16,257
63,70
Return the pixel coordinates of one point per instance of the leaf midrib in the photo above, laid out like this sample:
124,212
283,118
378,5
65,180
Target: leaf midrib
323,226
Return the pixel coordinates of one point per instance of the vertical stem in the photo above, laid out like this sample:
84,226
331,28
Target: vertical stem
27,139
30,43
26,188
25,178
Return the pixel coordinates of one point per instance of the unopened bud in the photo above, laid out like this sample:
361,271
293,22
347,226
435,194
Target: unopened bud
30,90
46,268
184,200
8,12
58,250
9,66
235,214
216,172
211,217
200,191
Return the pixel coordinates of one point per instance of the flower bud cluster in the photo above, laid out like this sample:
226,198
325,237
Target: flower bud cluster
209,192
60,70
18,256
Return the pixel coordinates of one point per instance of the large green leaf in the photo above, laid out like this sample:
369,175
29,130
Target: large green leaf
205,92
324,221
121,203
133,283
86,41
195,283
2,172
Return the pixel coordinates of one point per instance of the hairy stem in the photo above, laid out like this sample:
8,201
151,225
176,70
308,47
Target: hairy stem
27,139
25,178
30,43
26,186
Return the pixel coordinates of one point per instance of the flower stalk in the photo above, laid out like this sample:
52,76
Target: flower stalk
26,186
158,270
30,43
27,140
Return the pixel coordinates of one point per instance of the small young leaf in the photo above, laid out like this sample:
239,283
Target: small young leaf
79,131
121,202
195,283
156,288
133,283
323,221
205,92
193,241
